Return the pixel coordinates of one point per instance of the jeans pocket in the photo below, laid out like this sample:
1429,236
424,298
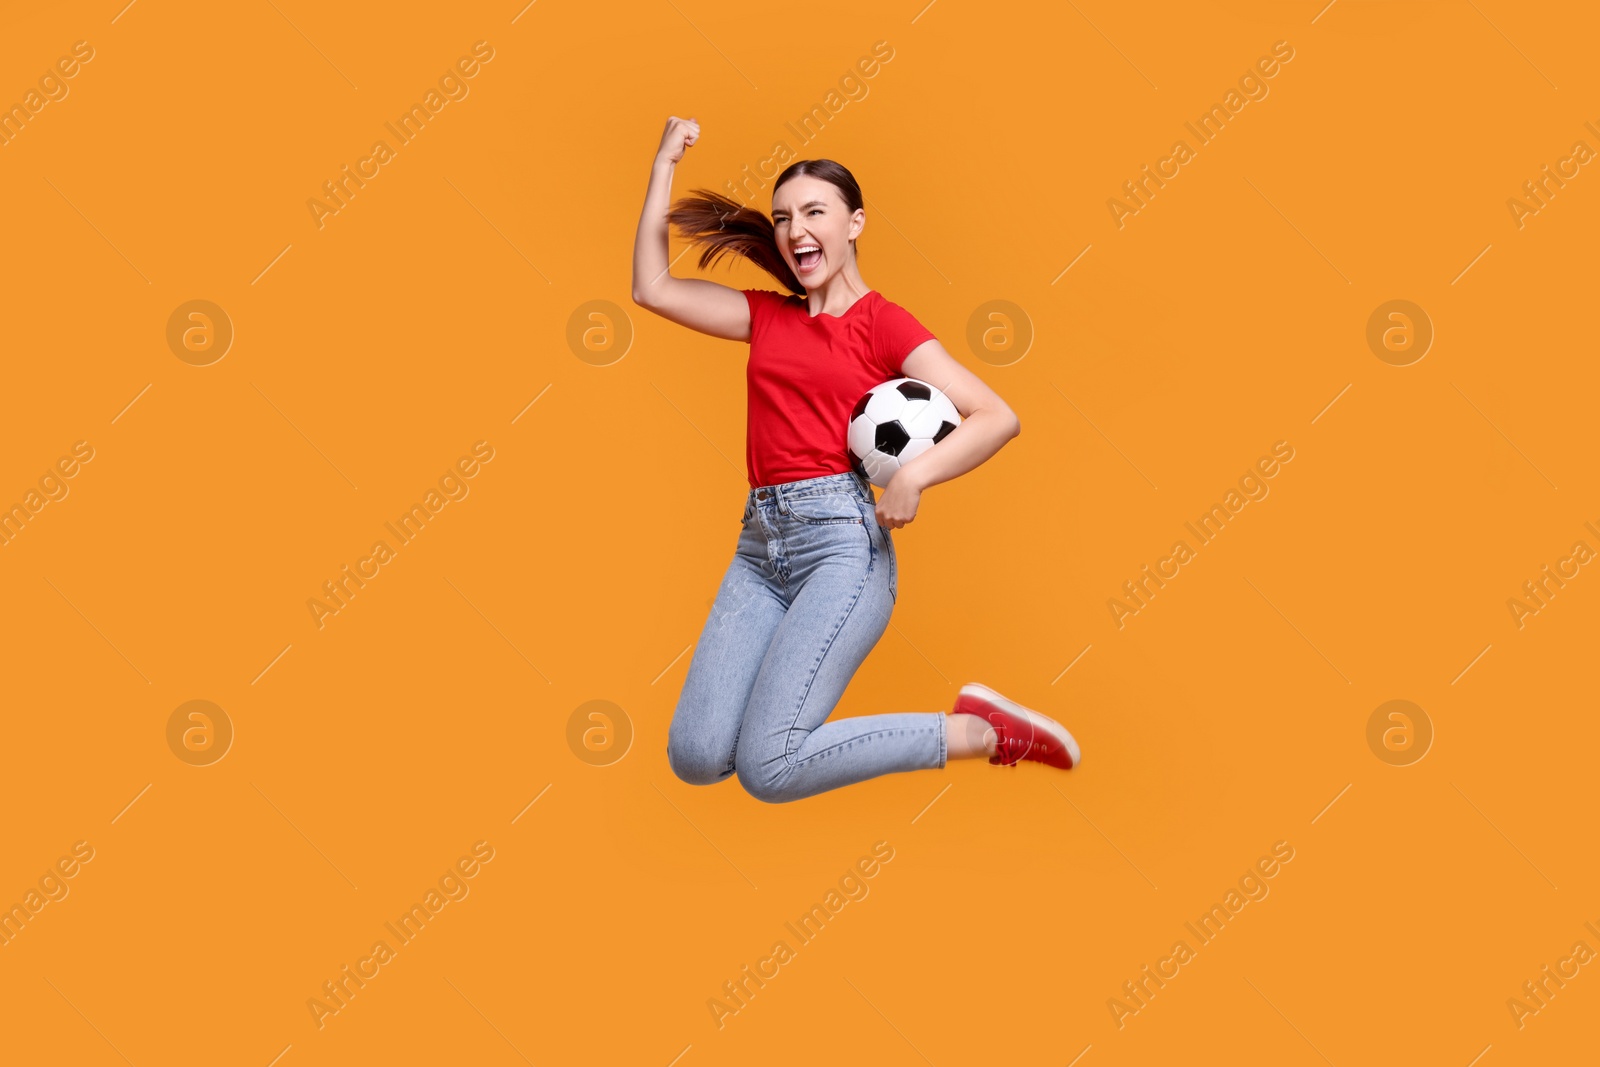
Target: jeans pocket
824,509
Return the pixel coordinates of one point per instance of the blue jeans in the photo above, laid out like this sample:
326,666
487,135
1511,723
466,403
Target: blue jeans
807,596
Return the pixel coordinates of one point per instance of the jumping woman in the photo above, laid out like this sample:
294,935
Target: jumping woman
813,578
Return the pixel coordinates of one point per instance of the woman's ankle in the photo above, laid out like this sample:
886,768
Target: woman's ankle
968,736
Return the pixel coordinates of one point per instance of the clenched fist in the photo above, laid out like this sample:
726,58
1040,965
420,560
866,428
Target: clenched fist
679,135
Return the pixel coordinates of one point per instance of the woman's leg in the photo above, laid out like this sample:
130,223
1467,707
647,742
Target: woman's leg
705,725
838,573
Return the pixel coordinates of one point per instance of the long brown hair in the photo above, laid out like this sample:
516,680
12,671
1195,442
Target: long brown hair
723,226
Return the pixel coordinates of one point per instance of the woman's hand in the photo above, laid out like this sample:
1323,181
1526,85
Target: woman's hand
679,135
898,504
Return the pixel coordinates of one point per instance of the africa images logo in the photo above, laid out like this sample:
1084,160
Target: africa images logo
452,486
338,992
1252,887
453,86
1252,486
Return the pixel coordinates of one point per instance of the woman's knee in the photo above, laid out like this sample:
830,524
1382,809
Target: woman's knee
770,788
692,762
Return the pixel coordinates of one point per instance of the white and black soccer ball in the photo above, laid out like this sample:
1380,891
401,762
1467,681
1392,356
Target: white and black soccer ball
896,422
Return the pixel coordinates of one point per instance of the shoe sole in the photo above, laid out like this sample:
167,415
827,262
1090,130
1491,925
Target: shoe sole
1042,724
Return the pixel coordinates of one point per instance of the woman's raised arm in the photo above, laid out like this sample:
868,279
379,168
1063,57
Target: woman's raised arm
718,310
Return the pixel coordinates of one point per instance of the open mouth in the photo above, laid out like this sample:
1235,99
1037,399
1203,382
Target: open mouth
808,256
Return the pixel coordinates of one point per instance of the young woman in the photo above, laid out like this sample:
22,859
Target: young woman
813,578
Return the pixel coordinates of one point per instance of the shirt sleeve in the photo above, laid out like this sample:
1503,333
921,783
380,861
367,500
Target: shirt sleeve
761,302
895,332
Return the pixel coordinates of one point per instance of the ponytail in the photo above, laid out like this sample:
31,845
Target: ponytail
723,226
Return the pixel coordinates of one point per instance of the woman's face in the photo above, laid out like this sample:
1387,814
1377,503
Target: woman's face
809,213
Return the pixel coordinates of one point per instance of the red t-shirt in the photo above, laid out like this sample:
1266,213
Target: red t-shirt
806,373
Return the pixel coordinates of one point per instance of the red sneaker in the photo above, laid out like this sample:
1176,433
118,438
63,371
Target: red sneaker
1023,734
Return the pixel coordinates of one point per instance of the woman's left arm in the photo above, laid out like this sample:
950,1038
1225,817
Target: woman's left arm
987,423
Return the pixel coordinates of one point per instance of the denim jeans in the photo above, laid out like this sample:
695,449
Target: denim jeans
807,596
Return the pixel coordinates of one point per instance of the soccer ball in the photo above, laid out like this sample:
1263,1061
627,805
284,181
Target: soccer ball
894,423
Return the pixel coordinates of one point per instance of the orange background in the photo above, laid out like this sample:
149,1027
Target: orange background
427,715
